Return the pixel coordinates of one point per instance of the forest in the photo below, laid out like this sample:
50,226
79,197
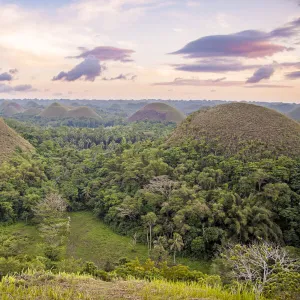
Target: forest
182,201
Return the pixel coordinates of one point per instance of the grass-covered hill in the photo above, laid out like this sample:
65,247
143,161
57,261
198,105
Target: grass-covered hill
9,108
235,125
32,111
9,141
158,112
295,114
82,112
57,110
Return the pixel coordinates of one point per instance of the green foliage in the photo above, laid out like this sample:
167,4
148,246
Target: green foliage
150,270
283,285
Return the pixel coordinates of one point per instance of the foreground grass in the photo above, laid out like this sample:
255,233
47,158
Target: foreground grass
63,286
160,290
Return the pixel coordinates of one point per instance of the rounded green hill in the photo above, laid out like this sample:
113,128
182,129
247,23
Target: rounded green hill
32,111
9,108
236,125
157,112
82,112
55,110
9,141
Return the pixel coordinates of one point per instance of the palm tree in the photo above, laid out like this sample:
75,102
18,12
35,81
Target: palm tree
176,244
149,220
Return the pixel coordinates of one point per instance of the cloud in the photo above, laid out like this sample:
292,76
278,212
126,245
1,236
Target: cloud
290,64
219,82
18,88
215,66
289,30
121,77
6,77
264,72
89,69
293,75
178,30
268,86
197,82
13,71
248,43
105,53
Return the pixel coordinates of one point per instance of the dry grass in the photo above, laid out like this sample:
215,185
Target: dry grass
158,112
238,123
63,286
9,141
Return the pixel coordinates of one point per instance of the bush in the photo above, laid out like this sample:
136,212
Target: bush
150,271
283,285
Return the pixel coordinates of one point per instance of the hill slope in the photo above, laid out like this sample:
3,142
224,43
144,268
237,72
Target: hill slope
237,124
158,112
295,114
33,111
82,112
55,110
9,141
8,108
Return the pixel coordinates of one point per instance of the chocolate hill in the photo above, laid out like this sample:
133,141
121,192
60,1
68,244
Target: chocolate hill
157,112
9,108
9,141
56,110
235,125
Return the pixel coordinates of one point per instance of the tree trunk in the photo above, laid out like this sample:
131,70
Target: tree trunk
174,257
150,231
148,243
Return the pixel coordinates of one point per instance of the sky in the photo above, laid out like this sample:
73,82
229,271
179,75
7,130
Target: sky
138,49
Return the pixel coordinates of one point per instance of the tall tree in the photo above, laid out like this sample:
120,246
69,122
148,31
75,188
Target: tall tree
176,245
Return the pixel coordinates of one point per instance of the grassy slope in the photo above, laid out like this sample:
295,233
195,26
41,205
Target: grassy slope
9,140
70,287
240,122
158,112
92,240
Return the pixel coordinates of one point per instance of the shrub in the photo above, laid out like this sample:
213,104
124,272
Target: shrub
283,285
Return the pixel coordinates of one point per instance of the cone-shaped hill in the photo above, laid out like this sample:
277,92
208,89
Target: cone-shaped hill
157,112
82,112
8,108
32,104
9,141
295,114
56,110
32,111
235,125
